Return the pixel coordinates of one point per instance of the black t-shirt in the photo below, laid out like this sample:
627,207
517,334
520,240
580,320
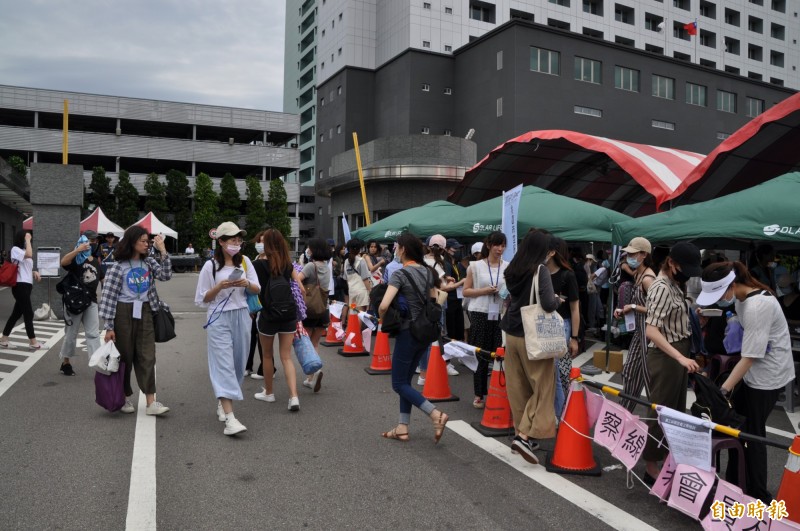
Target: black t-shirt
580,275
458,272
566,285
89,274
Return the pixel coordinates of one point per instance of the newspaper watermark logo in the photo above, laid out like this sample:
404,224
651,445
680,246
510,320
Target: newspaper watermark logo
772,230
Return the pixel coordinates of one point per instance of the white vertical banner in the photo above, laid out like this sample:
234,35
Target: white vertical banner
509,220
345,228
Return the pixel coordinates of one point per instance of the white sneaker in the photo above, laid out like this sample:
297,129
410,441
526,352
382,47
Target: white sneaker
256,376
128,407
417,370
309,384
420,380
264,397
294,404
233,426
451,371
220,412
316,381
156,408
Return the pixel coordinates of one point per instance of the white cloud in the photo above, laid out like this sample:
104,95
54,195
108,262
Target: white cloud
227,52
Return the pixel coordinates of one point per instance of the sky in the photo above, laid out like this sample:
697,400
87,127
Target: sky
223,52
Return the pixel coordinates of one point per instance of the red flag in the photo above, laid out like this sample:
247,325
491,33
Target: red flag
691,28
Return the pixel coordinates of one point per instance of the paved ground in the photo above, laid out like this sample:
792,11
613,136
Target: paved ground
65,463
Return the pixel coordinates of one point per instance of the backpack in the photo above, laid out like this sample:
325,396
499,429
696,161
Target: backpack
277,298
711,405
392,320
427,327
74,295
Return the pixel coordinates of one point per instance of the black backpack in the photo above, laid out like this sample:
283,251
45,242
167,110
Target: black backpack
711,405
74,295
277,298
427,327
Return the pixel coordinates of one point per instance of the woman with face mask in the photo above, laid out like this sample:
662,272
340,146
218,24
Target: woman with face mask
668,330
221,288
766,365
633,373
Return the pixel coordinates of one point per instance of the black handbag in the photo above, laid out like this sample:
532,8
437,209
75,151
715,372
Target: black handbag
163,323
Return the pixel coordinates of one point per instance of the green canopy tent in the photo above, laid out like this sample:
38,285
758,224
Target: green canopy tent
388,229
768,212
567,218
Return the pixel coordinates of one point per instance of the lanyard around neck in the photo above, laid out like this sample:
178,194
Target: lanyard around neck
492,280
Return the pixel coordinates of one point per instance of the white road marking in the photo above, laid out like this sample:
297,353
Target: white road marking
31,357
142,492
580,497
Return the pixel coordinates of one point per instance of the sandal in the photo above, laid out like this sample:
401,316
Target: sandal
4,343
438,426
394,434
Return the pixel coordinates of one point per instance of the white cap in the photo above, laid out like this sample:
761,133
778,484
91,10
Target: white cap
477,247
713,291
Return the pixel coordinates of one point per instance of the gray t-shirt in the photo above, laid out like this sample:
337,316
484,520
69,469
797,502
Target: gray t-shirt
317,270
136,279
765,326
422,278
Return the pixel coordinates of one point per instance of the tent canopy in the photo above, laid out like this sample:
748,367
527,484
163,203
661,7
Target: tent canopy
389,228
98,222
567,218
623,176
767,212
27,223
154,226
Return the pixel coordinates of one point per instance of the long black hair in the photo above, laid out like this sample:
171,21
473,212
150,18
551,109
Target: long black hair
414,250
19,239
219,254
494,238
560,247
531,253
353,247
125,247
320,250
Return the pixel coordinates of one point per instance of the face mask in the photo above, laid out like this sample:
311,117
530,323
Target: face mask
308,254
233,249
260,248
457,256
94,248
724,303
633,263
680,276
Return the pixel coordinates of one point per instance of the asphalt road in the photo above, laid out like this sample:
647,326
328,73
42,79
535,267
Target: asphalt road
65,463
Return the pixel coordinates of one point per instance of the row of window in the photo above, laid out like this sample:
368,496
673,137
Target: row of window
658,124
590,71
426,87
331,96
330,133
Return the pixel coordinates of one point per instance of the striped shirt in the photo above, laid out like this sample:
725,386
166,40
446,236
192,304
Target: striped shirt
668,309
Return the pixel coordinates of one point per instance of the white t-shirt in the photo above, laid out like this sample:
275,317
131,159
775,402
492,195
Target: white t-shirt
764,325
207,281
189,250
482,277
25,265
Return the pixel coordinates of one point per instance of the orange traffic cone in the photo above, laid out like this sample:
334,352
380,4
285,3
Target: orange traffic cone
789,491
573,450
381,356
353,340
497,421
437,388
330,336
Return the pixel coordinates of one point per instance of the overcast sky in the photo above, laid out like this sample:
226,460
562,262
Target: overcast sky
223,52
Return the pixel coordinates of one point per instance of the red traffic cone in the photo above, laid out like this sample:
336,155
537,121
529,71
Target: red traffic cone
573,450
381,355
353,340
789,491
437,388
330,336
497,421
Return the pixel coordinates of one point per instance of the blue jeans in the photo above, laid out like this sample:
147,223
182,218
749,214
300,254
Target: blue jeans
406,357
560,397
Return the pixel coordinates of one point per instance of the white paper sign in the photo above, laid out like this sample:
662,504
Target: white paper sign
688,437
336,308
462,351
48,260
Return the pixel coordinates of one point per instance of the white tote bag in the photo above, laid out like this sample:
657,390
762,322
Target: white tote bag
105,360
544,331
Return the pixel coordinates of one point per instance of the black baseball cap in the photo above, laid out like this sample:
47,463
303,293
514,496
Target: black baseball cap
687,256
452,243
92,235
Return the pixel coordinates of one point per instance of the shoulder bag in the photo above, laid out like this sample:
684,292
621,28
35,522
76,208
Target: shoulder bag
253,299
163,321
544,331
316,301
8,273
427,327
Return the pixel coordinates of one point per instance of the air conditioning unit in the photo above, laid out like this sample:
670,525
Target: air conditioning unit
230,141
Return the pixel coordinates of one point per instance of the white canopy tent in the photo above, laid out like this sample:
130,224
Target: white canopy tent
154,226
98,222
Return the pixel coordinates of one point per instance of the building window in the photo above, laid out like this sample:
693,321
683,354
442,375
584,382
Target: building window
779,6
777,31
340,16
482,11
696,94
660,124
726,101
339,90
322,66
593,7
426,130
322,102
448,11
339,129
588,111
755,107
516,14
321,174
708,38
563,3
340,51
651,22
708,9
623,14
426,87
330,132
588,70
499,107
755,75
626,78
755,24
663,87
448,48
722,136
500,60
776,58
732,17
681,4
426,44
732,46
322,138
756,53
448,91
544,61
426,5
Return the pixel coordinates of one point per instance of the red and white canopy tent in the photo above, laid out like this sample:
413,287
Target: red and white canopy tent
154,226
98,222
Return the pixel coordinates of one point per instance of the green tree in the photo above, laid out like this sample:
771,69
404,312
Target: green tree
18,165
127,201
100,191
179,197
277,208
230,203
156,201
206,210
256,213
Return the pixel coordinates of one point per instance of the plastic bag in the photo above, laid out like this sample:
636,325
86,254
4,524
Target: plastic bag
105,360
304,350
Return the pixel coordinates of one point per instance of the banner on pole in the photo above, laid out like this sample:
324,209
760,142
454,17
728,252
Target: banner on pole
509,220
345,228
690,488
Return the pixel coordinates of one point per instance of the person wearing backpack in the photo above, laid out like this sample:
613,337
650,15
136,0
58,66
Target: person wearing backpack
22,256
414,281
84,264
221,287
279,313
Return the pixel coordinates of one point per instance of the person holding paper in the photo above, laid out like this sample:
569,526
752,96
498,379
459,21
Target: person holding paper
129,298
22,255
766,365
633,372
667,328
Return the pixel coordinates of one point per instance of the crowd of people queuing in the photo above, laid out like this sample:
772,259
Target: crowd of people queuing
663,293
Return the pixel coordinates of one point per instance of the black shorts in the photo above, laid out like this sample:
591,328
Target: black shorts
270,328
321,322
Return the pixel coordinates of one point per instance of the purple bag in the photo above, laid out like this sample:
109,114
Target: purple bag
109,389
